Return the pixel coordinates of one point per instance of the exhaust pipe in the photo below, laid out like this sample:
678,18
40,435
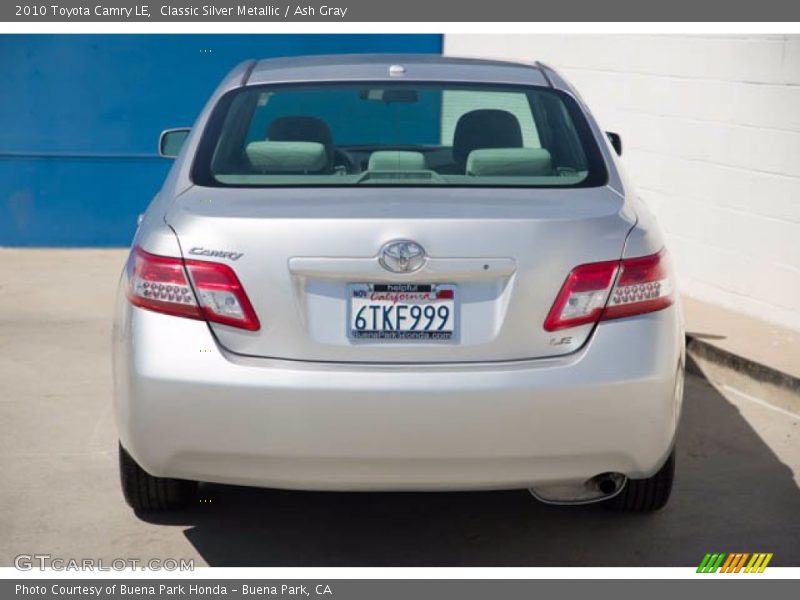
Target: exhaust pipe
607,484
600,487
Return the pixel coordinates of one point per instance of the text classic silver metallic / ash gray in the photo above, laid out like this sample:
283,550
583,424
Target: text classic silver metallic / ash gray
397,273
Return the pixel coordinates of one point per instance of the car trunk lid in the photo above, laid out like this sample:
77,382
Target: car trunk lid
298,252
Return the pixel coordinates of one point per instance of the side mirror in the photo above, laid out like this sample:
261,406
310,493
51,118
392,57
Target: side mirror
616,142
171,141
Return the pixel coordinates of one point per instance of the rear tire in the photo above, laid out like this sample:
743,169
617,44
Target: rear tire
647,495
145,493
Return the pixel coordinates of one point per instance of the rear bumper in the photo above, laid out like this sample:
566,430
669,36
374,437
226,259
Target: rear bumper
185,408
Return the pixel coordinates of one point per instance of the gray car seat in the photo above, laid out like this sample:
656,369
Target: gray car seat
483,128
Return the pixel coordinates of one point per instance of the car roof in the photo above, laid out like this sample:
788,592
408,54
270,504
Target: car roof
375,67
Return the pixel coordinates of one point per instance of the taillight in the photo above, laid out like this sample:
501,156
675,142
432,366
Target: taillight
222,298
160,283
642,286
583,295
611,290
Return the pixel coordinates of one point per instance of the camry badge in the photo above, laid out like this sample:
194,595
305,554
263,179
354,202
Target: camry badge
200,251
402,256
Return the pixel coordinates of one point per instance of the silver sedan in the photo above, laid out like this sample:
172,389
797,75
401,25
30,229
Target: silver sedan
397,273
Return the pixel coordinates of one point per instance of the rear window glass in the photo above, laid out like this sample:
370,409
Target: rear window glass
401,134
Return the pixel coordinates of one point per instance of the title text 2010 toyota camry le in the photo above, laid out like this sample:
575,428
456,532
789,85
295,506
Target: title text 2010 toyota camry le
397,273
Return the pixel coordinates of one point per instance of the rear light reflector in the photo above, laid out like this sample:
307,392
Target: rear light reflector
221,296
160,283
583,296
611,290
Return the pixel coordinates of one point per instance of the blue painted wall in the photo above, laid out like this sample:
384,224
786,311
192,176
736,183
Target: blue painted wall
81,116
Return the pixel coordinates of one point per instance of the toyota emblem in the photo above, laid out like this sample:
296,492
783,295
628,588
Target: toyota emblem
402,256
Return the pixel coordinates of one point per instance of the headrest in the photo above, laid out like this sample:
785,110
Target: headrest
300,129
485,128
396,160
510,162
287,157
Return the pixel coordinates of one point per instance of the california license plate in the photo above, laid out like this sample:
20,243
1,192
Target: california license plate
402,311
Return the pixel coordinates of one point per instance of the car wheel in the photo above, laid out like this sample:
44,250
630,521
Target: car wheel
146,493
646,495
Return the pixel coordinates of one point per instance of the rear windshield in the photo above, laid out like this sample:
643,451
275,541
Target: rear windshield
401,134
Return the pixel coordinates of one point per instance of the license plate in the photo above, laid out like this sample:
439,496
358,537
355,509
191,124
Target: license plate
402,311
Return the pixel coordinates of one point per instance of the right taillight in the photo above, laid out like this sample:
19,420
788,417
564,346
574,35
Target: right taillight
611,290
159,283
643,285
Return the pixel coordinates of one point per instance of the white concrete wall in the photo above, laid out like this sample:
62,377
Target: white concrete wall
711,135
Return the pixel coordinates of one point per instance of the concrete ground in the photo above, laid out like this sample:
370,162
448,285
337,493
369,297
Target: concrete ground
756,340
736,489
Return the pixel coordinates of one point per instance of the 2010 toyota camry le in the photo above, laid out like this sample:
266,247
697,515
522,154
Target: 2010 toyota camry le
405,272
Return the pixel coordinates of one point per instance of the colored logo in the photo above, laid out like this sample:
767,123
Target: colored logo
735,563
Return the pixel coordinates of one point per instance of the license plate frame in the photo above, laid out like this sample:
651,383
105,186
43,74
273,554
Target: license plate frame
447,335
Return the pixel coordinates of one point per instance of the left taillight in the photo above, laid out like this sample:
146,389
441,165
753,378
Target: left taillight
160,283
